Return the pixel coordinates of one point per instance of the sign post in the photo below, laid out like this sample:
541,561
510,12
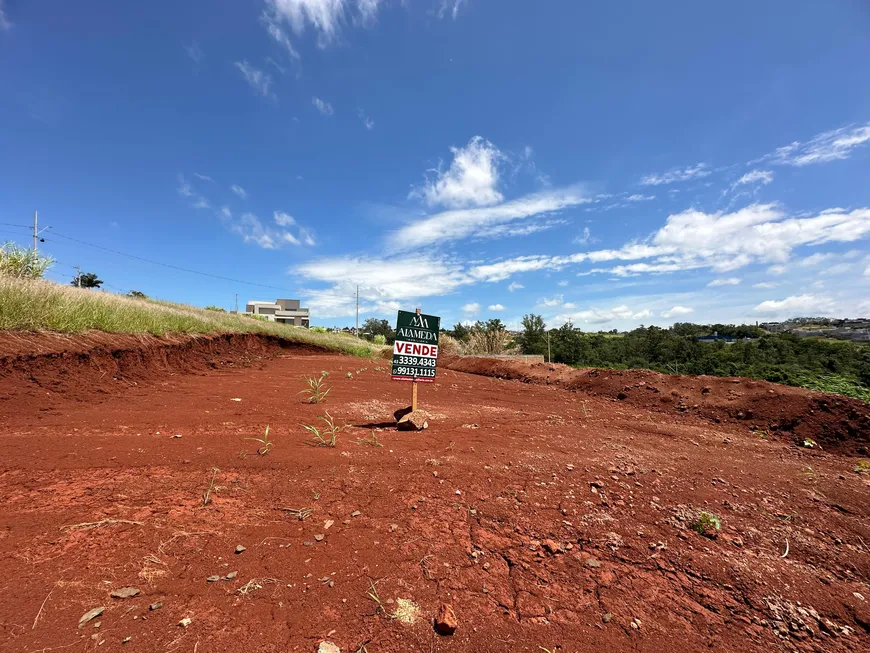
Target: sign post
415,352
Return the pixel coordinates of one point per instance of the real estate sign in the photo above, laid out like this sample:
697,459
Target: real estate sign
416,349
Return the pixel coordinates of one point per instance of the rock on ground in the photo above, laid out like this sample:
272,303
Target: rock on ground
414,421
125,593
445,621
328,647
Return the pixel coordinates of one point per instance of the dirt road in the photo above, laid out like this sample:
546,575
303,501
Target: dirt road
549,519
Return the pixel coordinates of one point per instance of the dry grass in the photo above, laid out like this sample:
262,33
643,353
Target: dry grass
41,305
98,524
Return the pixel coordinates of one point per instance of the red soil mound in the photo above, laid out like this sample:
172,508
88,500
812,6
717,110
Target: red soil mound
836,423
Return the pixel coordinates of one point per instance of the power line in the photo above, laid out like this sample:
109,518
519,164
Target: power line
166,265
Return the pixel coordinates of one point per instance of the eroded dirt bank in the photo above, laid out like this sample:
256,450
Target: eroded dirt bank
836,423
549,518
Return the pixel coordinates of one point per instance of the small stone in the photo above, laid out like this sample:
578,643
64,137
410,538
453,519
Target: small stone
184,623
308,543
328,647
327,524
319,537
486,566
213,579
394,528
445,620
355,513
239,549
569,467
592,562
415,421
155,606
97,624
231,575
126,639
635,626
125,593
177,435
458,492
607,617
552,546
90,614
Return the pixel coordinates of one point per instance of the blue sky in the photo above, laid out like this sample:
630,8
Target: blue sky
614,164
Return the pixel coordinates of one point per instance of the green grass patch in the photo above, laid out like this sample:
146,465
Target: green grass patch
40,305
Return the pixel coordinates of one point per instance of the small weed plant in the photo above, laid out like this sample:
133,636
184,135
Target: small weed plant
863,467
211,489
706,524
326,435
316,391
372,441
265,443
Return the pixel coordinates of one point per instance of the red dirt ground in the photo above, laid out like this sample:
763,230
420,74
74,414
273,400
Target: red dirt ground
535,510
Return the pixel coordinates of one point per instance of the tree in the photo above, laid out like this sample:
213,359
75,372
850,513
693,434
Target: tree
374,327
87,280
461,332
137,294
533,339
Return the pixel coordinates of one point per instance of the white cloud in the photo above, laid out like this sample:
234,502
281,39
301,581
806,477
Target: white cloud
367,122
777,270
517,286
259,81
796,306
193,50
472,309
495,307
283,219
763,177
584,238
685,174
325,108
238,190
603,315
326,16
678,310
451,7
640,198
203,177
380,280
759,233
729,281
867,271
471,180
184,187
549,302
463,223
765,284
270,20
563,283
201,203
834,145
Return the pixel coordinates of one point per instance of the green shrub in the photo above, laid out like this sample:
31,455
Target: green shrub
380,339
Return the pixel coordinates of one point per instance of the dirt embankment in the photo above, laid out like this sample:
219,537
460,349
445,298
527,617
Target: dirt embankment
836,423
97,362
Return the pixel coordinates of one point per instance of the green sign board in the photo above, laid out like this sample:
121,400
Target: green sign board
416,349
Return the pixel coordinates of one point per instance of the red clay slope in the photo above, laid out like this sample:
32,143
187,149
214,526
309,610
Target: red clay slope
836,423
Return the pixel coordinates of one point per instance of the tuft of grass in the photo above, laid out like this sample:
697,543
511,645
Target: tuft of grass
265,443
326,436
863,467
706,524
372,441
41,305
316,390
22,263
211,489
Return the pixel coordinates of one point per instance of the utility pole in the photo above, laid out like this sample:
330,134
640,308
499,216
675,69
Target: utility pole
237,302
79,276
35,228
549,358
357,310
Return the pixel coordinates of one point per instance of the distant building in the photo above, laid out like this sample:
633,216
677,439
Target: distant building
286,311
